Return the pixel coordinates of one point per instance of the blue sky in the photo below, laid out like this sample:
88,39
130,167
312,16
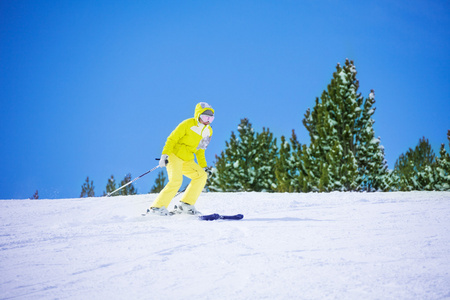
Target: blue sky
93,88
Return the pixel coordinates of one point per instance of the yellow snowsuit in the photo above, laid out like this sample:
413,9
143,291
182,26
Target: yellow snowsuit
189,138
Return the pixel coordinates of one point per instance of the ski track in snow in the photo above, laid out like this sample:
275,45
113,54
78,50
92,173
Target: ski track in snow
288,246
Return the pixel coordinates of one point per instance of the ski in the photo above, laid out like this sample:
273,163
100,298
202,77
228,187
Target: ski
213,217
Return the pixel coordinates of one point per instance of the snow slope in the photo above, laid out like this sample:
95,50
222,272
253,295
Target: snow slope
289,246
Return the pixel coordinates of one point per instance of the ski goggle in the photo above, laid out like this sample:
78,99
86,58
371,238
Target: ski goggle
206,118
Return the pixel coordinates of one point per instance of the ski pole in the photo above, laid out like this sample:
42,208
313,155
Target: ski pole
109,194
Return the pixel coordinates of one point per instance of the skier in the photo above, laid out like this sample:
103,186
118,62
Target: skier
190,137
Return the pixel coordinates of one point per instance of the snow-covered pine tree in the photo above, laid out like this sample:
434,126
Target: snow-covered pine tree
326,125
215,183
160,182
339,153
87,189
373,169
323,133
263,168
247,164
223,178
110,186
403,170
282,167
425,160
331,171
129,189
243,166
442,169
307,179
350,168
414,169
287,165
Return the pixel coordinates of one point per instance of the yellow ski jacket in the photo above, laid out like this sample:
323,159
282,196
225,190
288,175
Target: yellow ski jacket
190,137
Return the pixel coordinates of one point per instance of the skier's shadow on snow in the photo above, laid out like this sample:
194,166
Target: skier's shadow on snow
283,219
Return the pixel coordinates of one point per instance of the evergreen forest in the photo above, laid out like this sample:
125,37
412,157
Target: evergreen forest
343,153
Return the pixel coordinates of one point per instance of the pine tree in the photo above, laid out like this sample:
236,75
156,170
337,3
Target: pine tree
333,170
244,159
281,166
218,182
344,154
307,179
265,160
35,195
296,165
129,189
287,165
87,189
414,169
373,169
247,164
160,182
224,176
110,186
442,168
403,169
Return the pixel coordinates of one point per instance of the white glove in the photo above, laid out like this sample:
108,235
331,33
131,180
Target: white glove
164,160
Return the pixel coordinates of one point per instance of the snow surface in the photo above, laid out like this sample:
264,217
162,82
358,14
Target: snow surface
288,246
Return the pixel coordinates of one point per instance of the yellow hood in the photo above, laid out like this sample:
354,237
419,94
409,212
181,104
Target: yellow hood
201,108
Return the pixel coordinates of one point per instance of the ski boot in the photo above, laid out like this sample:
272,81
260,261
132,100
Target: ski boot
159,211
184,208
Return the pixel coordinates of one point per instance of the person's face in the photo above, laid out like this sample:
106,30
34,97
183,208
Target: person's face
206,120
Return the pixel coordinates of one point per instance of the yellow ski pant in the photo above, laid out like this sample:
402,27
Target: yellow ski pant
176,168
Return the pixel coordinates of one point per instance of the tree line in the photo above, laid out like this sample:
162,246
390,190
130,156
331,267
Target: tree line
343,153
87,189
